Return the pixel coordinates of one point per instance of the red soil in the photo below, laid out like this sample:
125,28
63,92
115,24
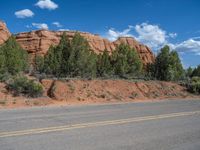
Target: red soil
68,92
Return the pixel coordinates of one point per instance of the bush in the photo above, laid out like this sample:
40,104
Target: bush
22,85
71,59
167,66
13,59
194,85
4,76
125,61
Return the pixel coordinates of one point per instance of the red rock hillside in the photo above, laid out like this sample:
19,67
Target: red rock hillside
38,42
4,33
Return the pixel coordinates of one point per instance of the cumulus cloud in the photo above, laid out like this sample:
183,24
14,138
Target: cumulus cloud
113,34
190,45
155,37
40,25
151,35
46,4
25,13
57,24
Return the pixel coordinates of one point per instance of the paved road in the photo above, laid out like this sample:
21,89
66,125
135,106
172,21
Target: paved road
165,125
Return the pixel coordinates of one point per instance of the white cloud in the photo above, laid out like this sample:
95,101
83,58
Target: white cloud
46,4
57,24
173,35
25,13
151,35
28,26
190,45
113,35
155,37
63,30
40,25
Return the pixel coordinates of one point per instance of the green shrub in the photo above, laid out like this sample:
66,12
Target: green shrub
125,61
194,85
22,85
4,76
13,59
167,66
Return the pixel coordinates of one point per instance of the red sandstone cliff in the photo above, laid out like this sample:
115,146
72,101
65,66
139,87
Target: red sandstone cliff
4,32
38,42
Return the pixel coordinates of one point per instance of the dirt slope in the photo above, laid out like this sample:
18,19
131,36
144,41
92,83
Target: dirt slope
68,92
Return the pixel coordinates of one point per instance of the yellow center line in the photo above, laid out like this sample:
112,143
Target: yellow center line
94,124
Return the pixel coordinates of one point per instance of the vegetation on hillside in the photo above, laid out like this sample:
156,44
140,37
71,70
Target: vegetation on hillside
74,58
193,72
13,59
20,84
193,85
167,66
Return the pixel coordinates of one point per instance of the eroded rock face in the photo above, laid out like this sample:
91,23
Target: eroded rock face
38,42
4,32
144,51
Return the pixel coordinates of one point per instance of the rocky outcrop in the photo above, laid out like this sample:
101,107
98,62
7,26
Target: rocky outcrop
144,51
38,42
4,32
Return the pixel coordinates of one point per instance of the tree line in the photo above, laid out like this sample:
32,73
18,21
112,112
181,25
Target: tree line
74,58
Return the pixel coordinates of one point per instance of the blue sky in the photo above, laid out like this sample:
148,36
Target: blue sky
152,22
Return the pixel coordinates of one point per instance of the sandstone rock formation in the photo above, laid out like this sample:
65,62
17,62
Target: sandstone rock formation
4,32
38,42
144,51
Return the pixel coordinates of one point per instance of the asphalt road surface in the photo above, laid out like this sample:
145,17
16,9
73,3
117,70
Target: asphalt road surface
164,125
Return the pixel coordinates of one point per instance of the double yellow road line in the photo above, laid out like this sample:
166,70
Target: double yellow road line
94,124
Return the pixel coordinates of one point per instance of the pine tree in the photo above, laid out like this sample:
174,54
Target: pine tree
39,63
196,72
13,58
80,56
189,72
66,49
126,61
71,58
168,65
104,67
162,63
135,63
175,63
50,61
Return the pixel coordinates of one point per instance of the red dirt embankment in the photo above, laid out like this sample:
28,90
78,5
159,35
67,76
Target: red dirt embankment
67,92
